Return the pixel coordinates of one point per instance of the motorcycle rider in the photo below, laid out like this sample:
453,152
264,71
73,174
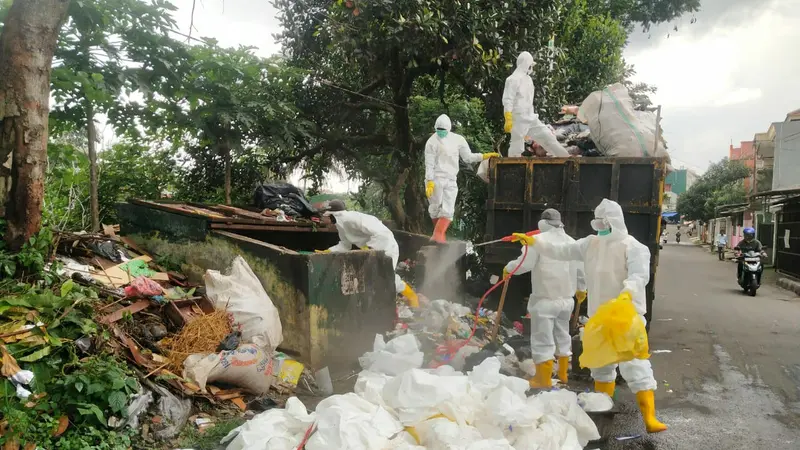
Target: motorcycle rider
749,244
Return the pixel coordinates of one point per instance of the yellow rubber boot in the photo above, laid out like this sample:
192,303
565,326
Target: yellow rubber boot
647,404
563,363
543,377
606,388
410,296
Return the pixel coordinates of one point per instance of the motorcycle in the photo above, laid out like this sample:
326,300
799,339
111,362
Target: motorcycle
677,238
752,268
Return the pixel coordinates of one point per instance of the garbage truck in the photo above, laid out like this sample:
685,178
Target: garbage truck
521,188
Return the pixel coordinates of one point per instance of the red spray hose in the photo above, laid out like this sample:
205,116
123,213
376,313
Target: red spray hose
480,303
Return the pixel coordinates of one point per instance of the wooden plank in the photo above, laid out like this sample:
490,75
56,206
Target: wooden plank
141,305
293,227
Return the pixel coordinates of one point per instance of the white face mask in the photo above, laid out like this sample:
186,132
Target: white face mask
544,226
600,225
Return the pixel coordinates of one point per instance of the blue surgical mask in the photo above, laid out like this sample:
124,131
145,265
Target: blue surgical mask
441,133
604,232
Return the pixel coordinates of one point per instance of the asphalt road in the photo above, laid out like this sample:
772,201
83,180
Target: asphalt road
730,375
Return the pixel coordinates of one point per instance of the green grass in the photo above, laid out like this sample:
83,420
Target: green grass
209,439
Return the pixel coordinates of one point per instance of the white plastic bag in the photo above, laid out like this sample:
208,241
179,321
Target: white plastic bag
350,422
248,367
417,395
551,433
564,404
242,294
616,128
483,170
595,401
392,358
276,429
369,386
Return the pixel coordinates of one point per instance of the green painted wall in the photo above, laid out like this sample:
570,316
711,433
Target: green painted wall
677,179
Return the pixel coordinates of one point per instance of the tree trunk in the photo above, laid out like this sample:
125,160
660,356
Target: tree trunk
92,136
226,155
27,45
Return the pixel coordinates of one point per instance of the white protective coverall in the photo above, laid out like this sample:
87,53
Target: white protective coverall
518,99
553,284
363,230
441,167
614,263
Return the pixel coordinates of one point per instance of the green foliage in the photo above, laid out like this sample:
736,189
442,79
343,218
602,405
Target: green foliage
129,170
66,193
31,258
208,439
721,185
97,389
91,67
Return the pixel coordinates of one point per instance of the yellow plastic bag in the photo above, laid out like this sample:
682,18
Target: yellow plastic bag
615,333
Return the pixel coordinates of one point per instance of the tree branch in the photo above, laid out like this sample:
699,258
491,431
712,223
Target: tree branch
372,106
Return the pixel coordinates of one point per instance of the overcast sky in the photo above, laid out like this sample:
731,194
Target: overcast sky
721,79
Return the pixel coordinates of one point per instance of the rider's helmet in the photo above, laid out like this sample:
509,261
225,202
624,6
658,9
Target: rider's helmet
749,234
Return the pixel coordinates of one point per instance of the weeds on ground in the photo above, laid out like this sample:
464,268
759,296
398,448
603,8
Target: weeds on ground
210,437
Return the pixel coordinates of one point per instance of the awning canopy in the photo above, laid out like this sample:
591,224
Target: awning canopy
668,214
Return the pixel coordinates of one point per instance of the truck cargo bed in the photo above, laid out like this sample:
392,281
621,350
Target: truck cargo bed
521,188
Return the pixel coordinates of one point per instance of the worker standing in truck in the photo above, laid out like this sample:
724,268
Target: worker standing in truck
367,233
442,152
520,117
616,266
550,305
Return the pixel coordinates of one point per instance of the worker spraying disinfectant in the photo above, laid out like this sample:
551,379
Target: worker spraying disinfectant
367,232
520,117
617,266
553,283
442,152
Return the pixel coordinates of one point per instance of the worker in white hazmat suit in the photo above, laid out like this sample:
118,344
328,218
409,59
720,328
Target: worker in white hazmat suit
617,266
520,118
367,232
442,152
553,283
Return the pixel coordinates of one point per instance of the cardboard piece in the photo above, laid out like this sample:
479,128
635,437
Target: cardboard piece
116,276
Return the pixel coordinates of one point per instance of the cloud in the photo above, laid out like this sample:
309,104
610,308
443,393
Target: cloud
232,22
725,83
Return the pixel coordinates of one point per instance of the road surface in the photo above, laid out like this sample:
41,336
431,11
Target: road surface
730,373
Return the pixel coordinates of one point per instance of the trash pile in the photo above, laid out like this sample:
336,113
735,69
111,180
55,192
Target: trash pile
397,405
282,200
216,343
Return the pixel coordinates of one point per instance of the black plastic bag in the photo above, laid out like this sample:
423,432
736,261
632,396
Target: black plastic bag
285,197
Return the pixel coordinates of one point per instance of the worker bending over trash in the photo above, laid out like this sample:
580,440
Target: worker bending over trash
520,117
441,170
367,232
553,283
617,267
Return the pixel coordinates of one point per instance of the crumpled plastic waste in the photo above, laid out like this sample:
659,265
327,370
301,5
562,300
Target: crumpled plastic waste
438,409
595,401
142,286
274,429
349,421
564,404
392,358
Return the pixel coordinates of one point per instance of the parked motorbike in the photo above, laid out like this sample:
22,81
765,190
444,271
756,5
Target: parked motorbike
750,275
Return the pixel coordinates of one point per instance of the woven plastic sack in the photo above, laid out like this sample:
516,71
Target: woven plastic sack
614,334
616,128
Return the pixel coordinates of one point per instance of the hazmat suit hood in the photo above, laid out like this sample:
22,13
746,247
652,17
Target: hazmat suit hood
610,212
444,123
524,63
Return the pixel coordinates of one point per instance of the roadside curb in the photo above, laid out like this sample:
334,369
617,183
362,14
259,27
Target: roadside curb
789,284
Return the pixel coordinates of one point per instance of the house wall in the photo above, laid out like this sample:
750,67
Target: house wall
786,172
